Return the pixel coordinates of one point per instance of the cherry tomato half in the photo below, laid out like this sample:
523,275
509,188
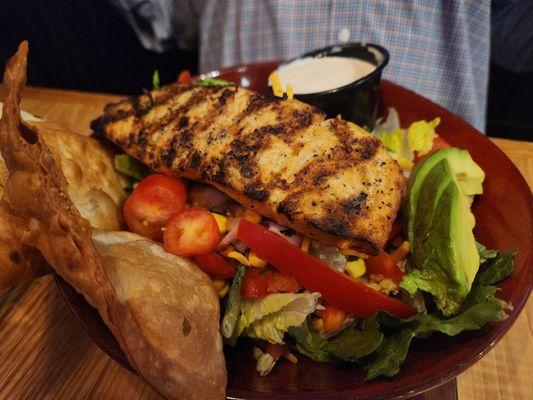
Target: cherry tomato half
152,203
216,266
193,232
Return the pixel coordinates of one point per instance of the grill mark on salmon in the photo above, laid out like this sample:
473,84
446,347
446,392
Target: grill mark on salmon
327,179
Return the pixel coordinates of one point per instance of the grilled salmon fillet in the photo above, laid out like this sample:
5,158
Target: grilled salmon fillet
327,179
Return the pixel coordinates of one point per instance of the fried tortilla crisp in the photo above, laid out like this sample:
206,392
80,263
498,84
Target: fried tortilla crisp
160,307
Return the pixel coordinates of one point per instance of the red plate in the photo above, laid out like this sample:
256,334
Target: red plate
504,217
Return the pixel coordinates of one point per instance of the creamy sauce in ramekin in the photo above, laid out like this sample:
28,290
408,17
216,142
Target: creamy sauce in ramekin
319,74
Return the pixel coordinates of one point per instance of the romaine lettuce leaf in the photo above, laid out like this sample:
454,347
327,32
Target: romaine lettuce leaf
270,317
480,306
484,253
350,344
382,343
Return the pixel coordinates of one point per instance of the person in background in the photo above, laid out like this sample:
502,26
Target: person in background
439,49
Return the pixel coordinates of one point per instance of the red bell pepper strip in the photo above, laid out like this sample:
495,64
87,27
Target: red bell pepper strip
336,288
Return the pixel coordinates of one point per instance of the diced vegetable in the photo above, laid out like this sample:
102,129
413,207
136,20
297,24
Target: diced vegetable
304,246
333,318
214,265
206,196
239,257
152,203
233,305
284,232
252,216
265,362
356,268
384,265
193,232
155,80
401,252
338,289
276,350
261,283
256,261
213,82
221,222
184,77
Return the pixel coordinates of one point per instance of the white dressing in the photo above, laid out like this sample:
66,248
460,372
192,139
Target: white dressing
319,74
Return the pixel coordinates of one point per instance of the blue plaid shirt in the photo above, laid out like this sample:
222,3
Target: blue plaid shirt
439,49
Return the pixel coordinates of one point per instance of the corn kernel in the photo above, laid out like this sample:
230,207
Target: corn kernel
252,216
352,252
401,252
256,261
218,284
222,292
221,222
304,246
356,268
318,324
239,257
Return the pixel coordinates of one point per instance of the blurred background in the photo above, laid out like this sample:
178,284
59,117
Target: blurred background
94,45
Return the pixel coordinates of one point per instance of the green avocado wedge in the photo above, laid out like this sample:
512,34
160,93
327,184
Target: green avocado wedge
439,226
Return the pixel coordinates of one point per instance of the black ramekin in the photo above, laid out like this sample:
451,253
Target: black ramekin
358,101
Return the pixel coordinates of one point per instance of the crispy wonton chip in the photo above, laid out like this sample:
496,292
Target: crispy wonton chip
160,307
94,186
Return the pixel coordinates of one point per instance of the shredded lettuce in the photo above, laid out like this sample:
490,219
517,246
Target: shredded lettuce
421,134
271,316
404,143
393,141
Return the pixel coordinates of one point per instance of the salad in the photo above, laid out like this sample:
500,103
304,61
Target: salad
292,295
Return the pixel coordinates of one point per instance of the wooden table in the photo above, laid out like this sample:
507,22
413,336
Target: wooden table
44,352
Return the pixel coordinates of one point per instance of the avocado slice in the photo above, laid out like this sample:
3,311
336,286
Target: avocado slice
439,226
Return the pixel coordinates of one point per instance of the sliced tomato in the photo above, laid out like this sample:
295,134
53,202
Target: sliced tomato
281,283
153,201
384,265
254,284
216,266
333,318
184,77
258,283
336,288
193,232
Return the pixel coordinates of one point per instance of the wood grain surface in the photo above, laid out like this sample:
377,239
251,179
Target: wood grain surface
45,354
